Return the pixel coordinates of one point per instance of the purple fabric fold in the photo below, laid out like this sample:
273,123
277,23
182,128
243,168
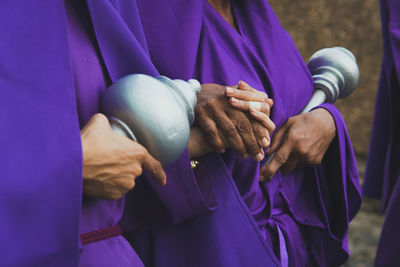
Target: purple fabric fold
228,236
49,72
122,44
261,53
382,168
90,81
40,181
382,172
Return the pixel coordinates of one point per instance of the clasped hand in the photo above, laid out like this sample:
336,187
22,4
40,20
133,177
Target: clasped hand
303,139
222,117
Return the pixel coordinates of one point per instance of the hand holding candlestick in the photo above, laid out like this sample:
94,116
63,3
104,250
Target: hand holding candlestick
157,112
336,75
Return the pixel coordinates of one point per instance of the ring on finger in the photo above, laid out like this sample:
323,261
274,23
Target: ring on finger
254,105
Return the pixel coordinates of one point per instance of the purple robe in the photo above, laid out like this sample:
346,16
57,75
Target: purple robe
302,217
383,168
52,76
90,80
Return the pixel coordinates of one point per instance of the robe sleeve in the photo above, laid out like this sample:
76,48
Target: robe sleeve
339,191
188,193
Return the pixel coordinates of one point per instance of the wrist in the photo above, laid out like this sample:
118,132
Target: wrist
326,119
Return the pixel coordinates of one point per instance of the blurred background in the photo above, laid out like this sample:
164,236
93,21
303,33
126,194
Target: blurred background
354,24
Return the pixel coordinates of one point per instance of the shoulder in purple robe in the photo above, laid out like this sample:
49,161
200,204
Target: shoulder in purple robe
383,169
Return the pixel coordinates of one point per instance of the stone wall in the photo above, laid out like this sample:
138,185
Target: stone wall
354,24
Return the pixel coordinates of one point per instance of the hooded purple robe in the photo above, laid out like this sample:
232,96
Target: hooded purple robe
55,63
383,169
304,215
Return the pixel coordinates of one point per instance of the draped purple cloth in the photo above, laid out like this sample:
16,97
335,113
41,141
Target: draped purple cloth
90,80
310,207
382,173
40,181
53,71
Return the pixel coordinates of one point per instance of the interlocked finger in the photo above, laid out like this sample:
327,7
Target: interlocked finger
246,95
263,119
245,86
248,105
262,134
245,129
230,134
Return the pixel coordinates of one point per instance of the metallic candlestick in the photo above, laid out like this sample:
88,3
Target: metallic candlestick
336,75
156,112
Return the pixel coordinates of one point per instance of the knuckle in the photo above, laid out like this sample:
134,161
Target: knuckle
115,195
244,125
211,103
294,137
99,118
199,110
230,131
211,132
131,184
136,172
281,157
127,184
213,106
140,153
305,154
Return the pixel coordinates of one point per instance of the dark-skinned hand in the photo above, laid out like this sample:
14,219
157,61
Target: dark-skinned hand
225,126
242,97
303,139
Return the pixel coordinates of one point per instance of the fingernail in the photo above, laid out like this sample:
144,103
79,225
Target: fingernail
234,100
229,90
259,157
265,142
267,150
